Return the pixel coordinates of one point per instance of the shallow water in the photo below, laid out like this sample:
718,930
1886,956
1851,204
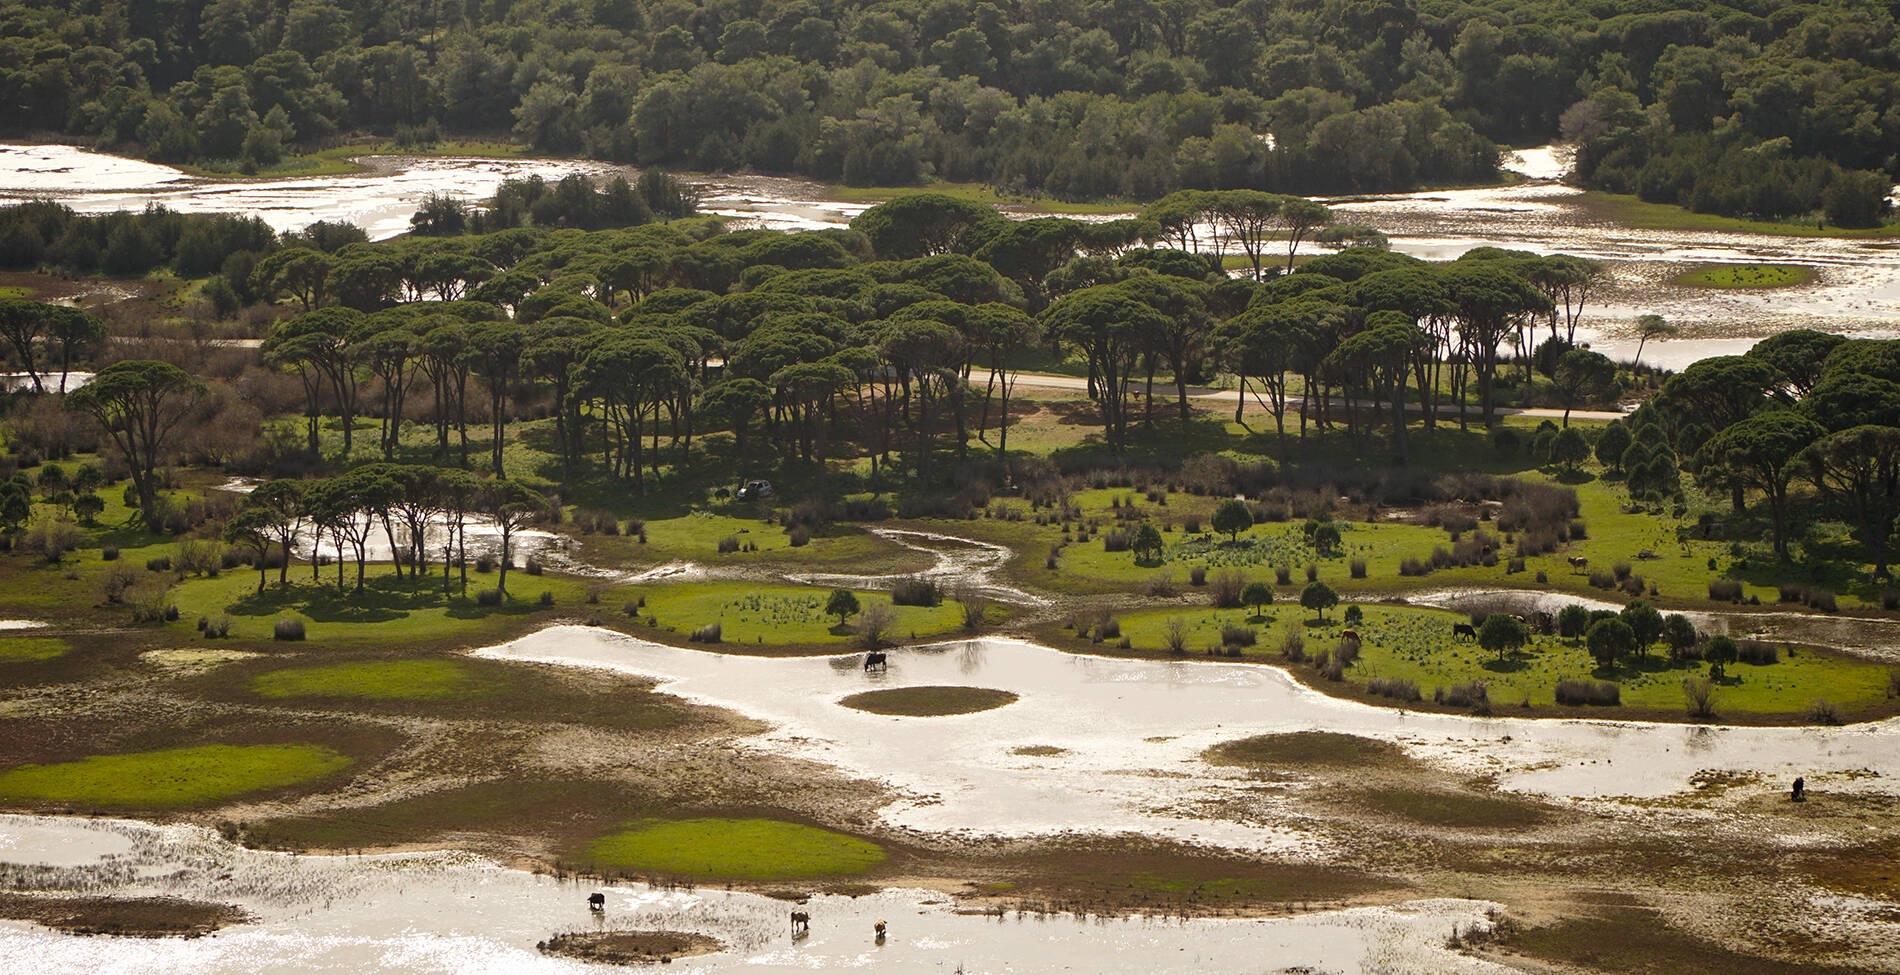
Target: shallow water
447,912
1133,730
961,562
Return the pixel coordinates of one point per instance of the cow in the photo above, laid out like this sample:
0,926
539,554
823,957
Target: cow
801,921
597,901
874,659
1578,562
1464,629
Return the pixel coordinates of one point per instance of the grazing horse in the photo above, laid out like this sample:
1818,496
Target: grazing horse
1578,561
801,921
1464,629
875,659
1349,634
597,901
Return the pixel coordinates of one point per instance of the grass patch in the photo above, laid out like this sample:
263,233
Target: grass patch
172,777
1734,276
979,193
1039,751
22,649
1454,809
382,680
781,615
929,701
738,849
1417,644
1326,749
1631,211
390,611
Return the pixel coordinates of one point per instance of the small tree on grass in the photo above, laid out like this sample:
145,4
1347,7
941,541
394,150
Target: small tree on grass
1608,641
1319,597
1326,539
251,528
139,403
1720,651
1611,443
842,604
1232,518
1146,544
511,506
1645,623
1572,621
1568,449
1679,634
88,507
1257,595
1503,634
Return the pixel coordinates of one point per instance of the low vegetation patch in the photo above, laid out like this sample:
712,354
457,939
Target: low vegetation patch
929,701
629,947
172,777
1455,809
137,917
382,680
1733,276
1328,749
1039,751
737,849
23,649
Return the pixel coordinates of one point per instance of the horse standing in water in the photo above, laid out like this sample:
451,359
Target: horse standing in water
801,921
874,659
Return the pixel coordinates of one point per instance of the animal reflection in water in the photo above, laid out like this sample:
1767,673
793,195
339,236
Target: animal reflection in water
875,660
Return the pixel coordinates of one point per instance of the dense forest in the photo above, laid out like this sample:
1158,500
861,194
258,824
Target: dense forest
1750,108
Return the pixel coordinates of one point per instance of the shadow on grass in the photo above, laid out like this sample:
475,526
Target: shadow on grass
381,600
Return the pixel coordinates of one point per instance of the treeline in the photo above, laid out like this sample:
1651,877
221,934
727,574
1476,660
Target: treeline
901,337
229,248
1801,408
1068,98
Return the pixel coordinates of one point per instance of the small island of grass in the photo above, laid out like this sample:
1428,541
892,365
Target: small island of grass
930,701
735,849
629,947
1745,276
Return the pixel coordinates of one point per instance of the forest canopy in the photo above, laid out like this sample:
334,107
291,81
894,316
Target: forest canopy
1770,110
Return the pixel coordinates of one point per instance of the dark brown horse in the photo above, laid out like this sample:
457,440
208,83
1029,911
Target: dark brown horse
801,921
875,659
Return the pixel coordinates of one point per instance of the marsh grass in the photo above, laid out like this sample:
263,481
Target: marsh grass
387,680
736,849
172,777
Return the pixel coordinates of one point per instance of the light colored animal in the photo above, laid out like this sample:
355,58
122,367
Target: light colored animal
879,928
